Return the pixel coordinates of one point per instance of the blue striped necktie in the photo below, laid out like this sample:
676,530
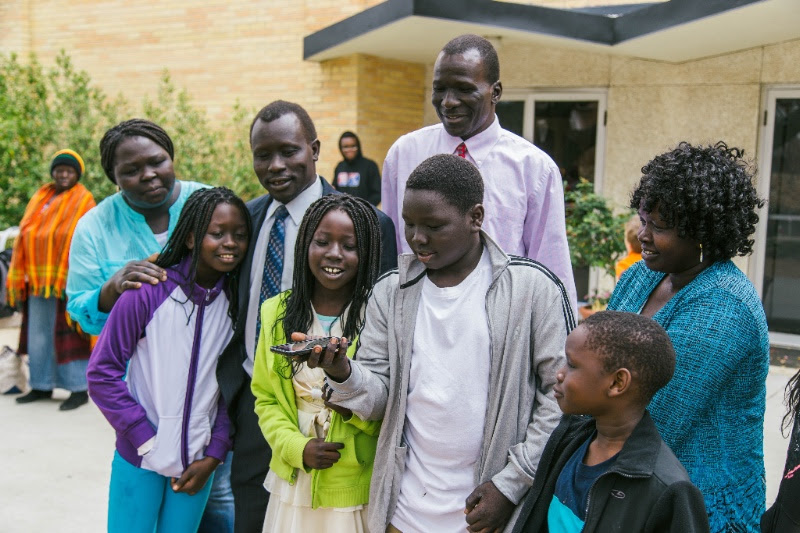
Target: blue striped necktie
273,263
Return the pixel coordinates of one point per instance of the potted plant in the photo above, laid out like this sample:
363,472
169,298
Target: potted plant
594,233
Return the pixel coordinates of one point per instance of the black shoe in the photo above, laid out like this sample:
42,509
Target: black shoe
34,395
75,400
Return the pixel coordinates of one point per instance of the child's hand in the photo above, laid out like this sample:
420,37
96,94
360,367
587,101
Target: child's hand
320,455
333,359
195,476
487,509
344,411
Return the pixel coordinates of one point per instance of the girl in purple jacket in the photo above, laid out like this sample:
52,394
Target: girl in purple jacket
153,371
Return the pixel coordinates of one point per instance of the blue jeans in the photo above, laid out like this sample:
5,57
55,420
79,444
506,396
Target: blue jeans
142,501
218,516
45,373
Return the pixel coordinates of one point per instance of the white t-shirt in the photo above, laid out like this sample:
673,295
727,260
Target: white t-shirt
161,238
446,406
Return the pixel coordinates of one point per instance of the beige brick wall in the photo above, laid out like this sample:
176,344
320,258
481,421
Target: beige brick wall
252,50
15,26
218,50
390,102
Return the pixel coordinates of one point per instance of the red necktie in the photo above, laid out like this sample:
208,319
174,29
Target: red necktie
461,150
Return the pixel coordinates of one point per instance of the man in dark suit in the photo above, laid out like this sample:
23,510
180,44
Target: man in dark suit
285,150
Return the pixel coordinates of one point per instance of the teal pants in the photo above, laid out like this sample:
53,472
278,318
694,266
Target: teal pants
142,501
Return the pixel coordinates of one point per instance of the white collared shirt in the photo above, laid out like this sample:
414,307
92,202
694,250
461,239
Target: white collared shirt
523,192
296,208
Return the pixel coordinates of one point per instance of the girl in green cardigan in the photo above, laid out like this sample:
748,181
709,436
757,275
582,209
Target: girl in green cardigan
322,455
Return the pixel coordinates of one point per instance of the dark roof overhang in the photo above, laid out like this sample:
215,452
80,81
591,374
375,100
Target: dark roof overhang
674,30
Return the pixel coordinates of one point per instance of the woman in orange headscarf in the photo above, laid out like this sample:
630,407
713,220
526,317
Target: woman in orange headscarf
37,279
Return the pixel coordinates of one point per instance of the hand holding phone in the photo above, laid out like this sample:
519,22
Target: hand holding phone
300,350
332,358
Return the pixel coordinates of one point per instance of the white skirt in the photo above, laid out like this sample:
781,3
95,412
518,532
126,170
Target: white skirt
289,508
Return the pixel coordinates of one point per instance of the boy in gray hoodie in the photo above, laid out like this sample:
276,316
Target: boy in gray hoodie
458,356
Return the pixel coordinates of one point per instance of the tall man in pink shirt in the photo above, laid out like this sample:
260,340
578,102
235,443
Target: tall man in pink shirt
524,196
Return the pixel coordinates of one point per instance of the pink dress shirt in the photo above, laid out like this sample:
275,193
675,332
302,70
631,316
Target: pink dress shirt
523,193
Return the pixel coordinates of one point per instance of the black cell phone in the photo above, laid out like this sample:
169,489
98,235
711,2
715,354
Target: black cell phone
299,351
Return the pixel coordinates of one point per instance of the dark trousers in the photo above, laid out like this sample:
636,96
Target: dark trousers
251,456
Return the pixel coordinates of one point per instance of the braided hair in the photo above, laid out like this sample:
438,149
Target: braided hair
136,127
194,219
298,314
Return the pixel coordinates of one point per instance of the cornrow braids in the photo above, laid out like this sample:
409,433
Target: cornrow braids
194,219
298,314
136,127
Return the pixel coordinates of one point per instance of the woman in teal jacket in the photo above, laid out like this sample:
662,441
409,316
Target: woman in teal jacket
322,456
698,208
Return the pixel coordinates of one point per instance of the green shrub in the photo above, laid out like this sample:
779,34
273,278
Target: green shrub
44,110
594,232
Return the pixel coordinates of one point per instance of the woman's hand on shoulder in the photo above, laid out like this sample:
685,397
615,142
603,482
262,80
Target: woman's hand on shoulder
195,477
130,276
333,359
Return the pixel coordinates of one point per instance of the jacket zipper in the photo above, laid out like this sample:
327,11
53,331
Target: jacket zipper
591,490
190,383
491,351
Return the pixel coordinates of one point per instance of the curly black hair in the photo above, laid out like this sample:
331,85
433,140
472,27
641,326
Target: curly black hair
792,400
635,342
455,178
706,193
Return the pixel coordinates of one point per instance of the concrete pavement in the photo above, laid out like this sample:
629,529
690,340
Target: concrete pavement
55,465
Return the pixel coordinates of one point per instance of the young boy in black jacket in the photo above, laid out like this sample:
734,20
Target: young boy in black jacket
612,472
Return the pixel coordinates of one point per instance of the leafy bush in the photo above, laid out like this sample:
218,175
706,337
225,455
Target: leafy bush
594,232
44,110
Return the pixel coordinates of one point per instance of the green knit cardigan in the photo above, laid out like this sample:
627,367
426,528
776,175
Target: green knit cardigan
347,482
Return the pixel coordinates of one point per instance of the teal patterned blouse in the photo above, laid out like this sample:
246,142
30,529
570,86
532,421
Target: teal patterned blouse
712,411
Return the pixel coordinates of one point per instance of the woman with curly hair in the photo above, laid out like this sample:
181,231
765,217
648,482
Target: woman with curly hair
697,207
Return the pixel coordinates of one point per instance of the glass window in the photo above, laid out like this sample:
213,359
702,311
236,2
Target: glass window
567,131
511,116
781,282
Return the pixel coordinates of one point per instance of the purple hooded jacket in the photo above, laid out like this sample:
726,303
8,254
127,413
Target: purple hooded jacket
153,373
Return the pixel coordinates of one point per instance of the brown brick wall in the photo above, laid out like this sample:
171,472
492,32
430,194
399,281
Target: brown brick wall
222,50
391,99
14,27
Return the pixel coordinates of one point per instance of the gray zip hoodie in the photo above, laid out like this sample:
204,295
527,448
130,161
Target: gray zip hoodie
529,318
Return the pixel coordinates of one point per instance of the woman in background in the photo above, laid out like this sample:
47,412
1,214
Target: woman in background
784,515
356,175
632,246
37,280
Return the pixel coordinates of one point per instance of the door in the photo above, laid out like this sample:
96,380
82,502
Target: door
570,127
776,270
